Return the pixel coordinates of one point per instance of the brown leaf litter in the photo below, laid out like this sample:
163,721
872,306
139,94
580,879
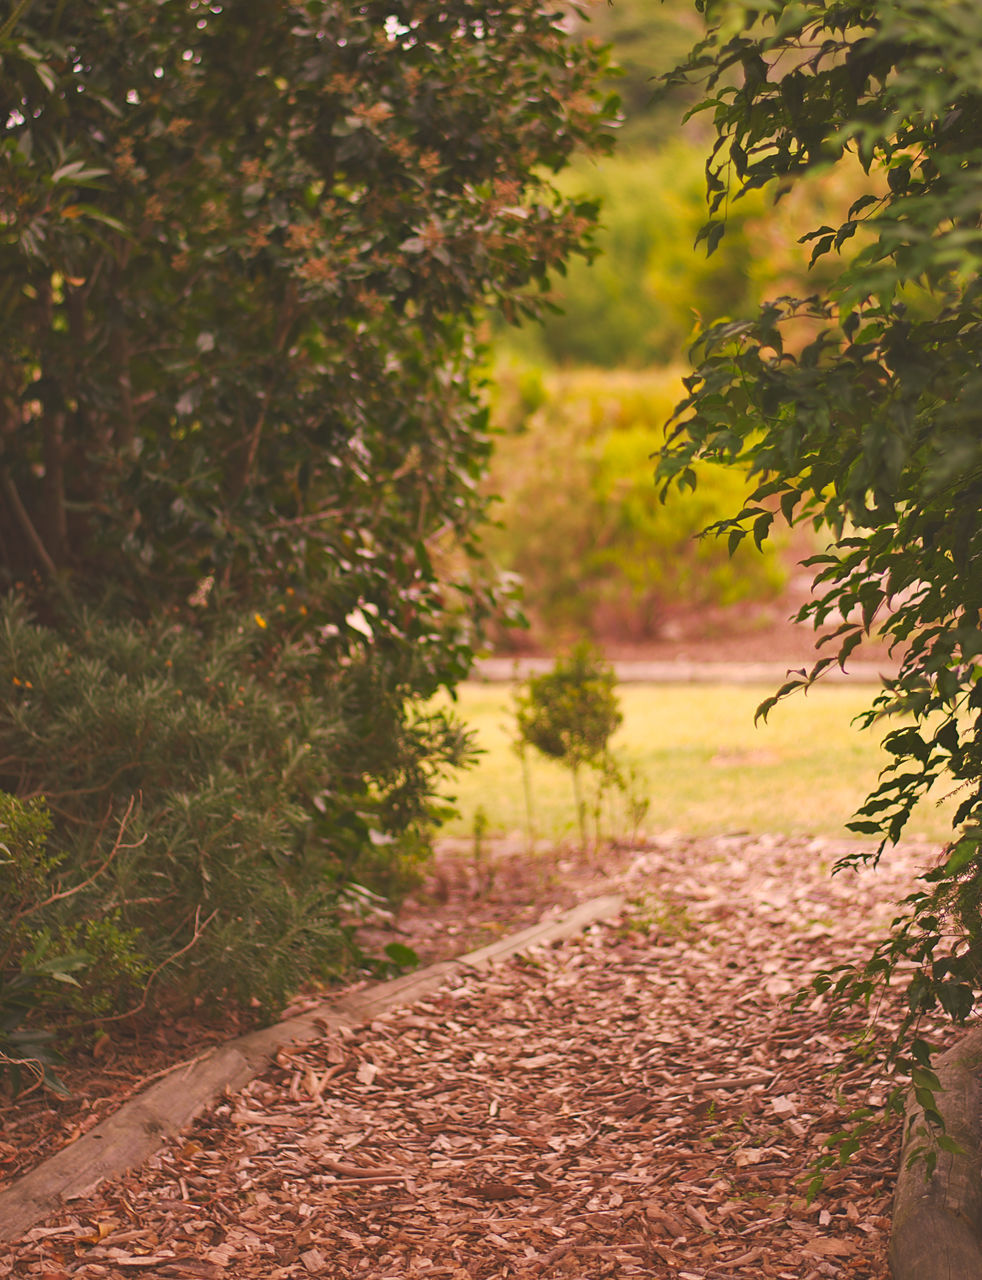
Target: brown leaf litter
638,1101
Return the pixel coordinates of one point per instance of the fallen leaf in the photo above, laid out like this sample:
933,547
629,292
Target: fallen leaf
829,1247
367,1071
101,1230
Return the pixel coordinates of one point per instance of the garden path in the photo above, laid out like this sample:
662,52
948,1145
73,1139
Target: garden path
638,1101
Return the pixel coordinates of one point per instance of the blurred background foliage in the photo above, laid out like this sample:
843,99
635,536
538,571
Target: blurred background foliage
580,397
598,553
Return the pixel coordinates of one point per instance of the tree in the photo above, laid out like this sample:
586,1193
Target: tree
242,250
869,428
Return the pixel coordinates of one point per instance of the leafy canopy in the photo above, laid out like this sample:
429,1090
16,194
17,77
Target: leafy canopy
241,254
869,426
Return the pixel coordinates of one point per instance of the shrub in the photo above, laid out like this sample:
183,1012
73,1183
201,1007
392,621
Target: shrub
217,791
570,714
32,975
241,257
581,523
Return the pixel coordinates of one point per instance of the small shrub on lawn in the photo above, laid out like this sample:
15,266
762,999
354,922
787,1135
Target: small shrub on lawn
569,715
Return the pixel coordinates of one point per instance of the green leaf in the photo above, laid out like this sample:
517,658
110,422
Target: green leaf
401,955
965,851
77,172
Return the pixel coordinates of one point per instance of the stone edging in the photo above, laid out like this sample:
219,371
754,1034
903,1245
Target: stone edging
144,1123
937,1221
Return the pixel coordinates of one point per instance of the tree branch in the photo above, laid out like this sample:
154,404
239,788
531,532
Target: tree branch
26,523
288,315
24,912
199,927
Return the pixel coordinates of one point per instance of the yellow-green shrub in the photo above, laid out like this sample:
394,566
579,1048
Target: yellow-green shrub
580,519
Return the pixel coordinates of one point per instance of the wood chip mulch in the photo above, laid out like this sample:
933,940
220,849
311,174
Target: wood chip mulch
638,1101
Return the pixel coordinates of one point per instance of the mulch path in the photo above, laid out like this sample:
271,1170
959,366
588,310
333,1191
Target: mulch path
638,1101
461,906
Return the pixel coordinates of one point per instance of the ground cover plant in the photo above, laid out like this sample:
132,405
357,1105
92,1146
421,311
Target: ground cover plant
241,260
215,786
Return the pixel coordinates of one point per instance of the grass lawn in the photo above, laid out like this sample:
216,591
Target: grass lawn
701,761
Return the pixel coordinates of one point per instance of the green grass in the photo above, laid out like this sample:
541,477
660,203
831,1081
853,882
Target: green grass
704,765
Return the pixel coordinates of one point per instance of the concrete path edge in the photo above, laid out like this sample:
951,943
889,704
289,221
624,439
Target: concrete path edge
142,1125
937,1220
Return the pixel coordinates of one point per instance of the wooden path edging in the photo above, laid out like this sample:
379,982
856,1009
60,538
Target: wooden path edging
937,1221
143,1124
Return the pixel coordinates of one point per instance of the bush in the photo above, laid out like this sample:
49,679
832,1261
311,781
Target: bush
581,523
214,792
569,714
242,254
32,976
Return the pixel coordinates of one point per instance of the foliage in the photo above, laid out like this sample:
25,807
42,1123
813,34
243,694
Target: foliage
217,798
570,712
871,429
645,294
646,42
32,975
245,250
242,249
580,521
569,715
635,303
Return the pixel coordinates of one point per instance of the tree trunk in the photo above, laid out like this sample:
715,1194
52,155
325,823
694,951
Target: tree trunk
937,1220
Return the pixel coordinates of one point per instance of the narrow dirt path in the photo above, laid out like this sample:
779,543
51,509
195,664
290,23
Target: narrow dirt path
640,1101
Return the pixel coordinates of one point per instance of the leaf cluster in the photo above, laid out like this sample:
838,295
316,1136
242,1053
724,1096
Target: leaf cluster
242,254
869,428
34,975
